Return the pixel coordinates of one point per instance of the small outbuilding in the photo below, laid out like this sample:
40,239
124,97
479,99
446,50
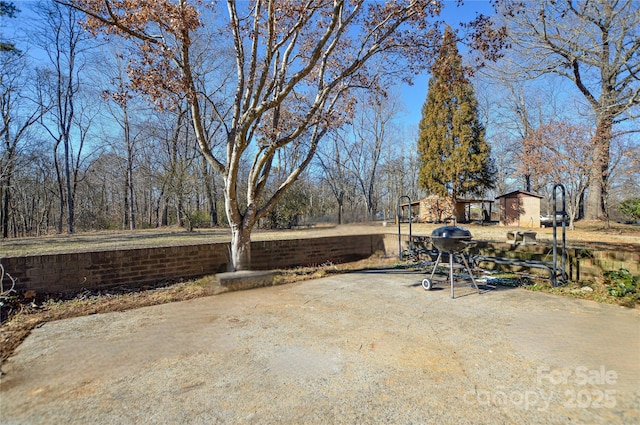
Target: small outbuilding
520,209
437,209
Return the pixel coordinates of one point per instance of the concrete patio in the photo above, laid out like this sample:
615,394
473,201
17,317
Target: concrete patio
362,348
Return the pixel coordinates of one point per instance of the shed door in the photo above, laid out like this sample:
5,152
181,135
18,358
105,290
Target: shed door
512,212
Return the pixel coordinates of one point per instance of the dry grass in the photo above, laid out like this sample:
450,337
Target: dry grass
597,291
585,233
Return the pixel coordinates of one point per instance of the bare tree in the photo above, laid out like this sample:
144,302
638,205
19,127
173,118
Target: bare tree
596,45
624,181
296,64
332,160
559,152
129,116
373,127
516,109
34,184
62,38
399,171
178,165
20,109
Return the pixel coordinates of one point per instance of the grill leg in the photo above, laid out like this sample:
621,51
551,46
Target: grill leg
466,264
451,272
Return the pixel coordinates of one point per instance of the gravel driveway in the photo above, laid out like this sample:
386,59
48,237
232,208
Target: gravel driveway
359,348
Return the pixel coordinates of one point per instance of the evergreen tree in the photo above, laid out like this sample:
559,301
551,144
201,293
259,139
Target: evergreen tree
454,157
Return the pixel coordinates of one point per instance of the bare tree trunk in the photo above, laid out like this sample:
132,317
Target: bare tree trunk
5,212
149,208
130,185
240,248
125,209
14,226
131,191
7,168
213,204
157,211
67,175
210,189
599,173
60,187
241,226
6,199
43,218
164,221
180,212
371,204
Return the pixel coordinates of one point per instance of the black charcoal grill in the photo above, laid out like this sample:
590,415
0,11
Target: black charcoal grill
452,240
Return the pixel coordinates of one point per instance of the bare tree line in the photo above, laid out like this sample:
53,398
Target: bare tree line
106,159
81,151
142,168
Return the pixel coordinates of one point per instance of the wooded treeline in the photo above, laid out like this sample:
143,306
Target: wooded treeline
127,165
80,151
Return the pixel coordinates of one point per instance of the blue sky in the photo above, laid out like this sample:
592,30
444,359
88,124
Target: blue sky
412,96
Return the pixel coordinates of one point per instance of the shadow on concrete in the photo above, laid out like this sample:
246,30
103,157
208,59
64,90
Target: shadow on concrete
440,282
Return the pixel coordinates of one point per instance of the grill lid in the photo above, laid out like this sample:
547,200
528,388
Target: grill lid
451,232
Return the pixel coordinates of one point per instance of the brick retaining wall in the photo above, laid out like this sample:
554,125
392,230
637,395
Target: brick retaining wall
582,263
63,273
67,273
592,262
